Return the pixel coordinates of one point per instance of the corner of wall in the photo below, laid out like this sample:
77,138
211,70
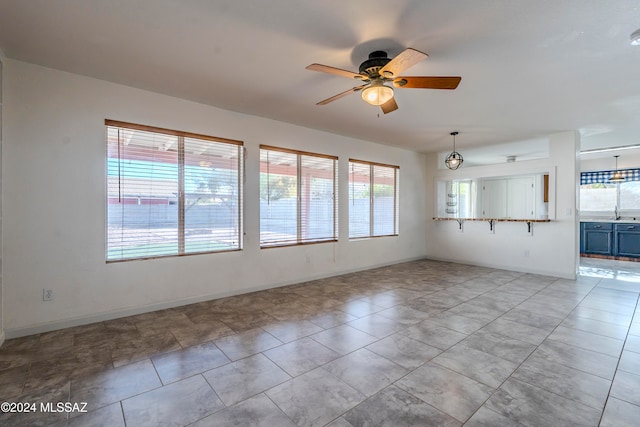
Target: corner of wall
1,179
554,247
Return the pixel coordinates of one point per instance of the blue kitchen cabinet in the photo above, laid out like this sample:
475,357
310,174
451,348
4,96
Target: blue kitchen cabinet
597,238
627,240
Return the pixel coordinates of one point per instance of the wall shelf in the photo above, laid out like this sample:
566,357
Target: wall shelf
492,221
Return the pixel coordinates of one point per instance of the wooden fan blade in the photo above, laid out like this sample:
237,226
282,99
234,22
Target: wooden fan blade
333,70
389,106
427,82
342,94
404,60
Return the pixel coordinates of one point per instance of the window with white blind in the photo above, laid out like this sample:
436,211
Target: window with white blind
298,197
171,193
601,197
373,199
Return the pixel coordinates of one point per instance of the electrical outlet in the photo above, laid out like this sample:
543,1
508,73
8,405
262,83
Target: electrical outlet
526,253
47,295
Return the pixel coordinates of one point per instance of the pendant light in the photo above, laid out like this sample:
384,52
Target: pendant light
617,175
454,159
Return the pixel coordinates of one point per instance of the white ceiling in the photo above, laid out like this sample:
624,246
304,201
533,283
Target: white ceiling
529,68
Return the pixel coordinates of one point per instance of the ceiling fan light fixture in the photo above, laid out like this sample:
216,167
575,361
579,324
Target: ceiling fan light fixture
377,93
454,159
635,38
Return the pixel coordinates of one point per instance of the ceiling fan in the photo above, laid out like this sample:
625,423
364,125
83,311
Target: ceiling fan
378,70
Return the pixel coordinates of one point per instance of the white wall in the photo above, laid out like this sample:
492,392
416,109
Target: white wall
54,211
593,162
552,248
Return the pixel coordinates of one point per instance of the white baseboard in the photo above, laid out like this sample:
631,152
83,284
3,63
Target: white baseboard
558,274
132,311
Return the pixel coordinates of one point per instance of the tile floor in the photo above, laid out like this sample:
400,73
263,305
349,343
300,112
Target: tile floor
420,343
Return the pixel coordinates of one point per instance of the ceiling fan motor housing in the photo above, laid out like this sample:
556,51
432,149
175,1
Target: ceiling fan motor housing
376,61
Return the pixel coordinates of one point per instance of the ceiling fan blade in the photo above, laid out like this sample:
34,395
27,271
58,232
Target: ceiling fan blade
333,70
427,82
389,106
401,62
340,95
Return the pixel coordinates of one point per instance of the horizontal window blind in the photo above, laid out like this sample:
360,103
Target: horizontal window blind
278,198
373,199
359,200
384,200
171,193
298,197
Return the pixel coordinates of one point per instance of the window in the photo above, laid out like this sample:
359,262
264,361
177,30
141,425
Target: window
171,193
630,196
373,199
298,197
600,197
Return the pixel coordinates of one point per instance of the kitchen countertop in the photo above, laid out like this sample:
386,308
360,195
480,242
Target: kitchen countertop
635,220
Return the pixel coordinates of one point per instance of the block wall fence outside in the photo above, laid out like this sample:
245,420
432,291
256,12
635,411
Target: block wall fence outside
55,210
